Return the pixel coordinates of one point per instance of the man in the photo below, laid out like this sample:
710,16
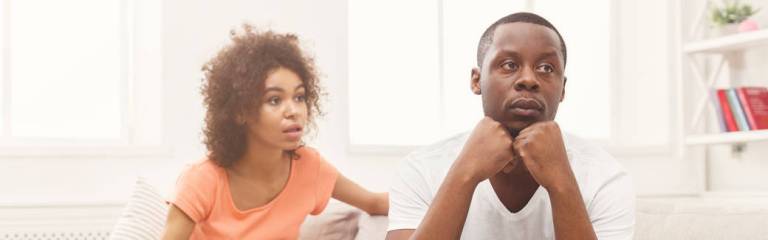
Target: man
516,176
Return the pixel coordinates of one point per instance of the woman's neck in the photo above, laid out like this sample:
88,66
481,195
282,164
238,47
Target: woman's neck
262,161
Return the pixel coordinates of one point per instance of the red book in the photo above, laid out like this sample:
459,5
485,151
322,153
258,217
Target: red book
730,123
755,104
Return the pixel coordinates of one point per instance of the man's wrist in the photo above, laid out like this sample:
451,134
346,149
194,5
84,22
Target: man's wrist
565,188
462,177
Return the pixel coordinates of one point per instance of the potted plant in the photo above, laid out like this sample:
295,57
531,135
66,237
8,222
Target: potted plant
733,16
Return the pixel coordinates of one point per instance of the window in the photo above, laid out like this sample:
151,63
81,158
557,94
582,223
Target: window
73,72
412,71
65,69
586,108
394,68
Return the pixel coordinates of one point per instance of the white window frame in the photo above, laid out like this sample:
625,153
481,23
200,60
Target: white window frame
613,144
139,135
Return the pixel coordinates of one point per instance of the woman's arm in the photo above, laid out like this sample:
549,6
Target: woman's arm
349,192
178,226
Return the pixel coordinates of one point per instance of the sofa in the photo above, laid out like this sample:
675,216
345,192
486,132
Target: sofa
701,218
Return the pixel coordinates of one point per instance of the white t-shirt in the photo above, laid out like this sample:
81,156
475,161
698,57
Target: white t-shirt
605,186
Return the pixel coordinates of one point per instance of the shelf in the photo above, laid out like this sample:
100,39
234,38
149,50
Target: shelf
732,42
727,138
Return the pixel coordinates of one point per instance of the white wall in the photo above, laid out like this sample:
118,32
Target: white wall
192,32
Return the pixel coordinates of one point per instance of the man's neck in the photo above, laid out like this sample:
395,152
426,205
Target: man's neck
514,189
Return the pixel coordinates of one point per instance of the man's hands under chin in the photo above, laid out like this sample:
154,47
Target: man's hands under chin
540,146
490,150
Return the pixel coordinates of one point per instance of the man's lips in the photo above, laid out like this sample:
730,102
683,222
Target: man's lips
525,107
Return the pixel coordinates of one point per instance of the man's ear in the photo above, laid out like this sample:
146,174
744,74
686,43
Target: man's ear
475,81
562,95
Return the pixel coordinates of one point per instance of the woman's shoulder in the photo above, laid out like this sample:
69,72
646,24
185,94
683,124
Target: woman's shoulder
204,170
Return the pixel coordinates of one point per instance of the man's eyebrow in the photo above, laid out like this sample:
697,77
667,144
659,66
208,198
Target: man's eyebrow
550,54
504,53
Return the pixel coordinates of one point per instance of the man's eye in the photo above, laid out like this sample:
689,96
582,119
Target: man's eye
511,66
546,68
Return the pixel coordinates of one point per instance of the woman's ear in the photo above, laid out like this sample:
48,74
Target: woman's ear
475,81
240,119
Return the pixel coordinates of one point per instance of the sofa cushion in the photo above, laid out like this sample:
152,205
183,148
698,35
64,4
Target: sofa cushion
702,218
371,227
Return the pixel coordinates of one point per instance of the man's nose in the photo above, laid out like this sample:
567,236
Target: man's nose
527,81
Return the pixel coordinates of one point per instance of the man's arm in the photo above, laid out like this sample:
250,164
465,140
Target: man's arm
487,151
542,150
569,214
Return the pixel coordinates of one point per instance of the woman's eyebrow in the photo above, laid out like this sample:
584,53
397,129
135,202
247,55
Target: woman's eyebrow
277,89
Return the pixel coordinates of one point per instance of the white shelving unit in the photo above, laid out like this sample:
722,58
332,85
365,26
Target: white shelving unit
720,46
727,138
702,60
739,41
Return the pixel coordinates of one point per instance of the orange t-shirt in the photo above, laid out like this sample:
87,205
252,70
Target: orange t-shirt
202,192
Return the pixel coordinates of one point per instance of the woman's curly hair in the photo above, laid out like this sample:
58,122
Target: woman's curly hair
234,84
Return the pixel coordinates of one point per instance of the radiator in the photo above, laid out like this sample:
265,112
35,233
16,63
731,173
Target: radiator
58,221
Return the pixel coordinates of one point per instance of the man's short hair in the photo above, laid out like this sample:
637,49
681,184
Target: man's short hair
526,17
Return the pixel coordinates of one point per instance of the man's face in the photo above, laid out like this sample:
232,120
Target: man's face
521,80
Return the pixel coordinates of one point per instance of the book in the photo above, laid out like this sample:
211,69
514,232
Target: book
730,123
718,110
755,105
747,110
738,112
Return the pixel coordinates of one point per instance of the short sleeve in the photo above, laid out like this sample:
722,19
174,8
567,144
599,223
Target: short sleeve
325,182
612,211
409,196
195,191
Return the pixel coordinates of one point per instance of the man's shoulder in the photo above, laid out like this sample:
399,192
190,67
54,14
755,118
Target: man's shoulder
589,156
443,150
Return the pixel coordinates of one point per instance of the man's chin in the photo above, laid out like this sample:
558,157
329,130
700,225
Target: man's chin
514,127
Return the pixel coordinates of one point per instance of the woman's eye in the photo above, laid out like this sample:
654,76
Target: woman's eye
301,98
546,68
511,66
273,101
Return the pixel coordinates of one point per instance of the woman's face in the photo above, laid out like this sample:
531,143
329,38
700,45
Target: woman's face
282,111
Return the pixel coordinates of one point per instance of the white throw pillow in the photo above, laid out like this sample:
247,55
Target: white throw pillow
144,216
338,222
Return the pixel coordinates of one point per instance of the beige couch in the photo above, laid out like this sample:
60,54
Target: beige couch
657,219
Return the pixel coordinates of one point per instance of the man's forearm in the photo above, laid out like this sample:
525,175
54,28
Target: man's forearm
448,211
569,214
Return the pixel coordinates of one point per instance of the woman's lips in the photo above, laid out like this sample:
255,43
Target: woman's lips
293,132
293,135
